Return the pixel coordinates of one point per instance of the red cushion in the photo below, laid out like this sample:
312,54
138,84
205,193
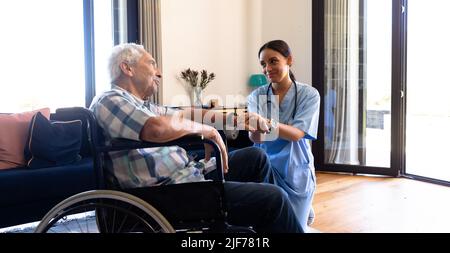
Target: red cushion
13,137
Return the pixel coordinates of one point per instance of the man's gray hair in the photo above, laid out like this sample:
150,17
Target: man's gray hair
129,53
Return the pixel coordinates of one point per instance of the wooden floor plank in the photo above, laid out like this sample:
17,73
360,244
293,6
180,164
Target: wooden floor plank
348,203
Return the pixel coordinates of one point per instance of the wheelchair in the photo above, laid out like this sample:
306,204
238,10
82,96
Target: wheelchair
163,208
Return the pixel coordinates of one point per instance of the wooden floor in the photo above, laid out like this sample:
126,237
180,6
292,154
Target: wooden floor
347,203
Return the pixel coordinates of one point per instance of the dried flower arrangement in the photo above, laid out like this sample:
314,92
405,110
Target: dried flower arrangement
192,77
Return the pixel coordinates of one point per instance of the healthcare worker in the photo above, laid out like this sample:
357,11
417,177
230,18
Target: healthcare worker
282,119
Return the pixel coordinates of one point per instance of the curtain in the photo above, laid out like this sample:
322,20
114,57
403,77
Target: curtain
341,81
150,34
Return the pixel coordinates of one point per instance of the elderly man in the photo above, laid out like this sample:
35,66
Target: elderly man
123,112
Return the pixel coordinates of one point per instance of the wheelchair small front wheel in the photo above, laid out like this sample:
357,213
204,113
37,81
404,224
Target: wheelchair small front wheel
104,211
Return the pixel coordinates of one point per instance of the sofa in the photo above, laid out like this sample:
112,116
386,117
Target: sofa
26,195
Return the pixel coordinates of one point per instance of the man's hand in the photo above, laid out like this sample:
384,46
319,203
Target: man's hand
168,128
211,133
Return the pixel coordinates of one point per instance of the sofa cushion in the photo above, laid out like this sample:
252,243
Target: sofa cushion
54,143
13,137
21,186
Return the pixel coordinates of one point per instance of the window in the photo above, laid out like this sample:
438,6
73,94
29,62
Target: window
43,52
357,82
104,41
428,88
380,67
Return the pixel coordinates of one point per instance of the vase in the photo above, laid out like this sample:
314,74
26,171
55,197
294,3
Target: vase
196,96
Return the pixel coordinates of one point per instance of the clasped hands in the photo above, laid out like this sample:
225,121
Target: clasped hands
253,123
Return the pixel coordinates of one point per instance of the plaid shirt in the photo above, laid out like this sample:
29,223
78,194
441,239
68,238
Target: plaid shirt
122,115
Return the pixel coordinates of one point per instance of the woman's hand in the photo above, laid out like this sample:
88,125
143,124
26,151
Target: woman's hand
254,123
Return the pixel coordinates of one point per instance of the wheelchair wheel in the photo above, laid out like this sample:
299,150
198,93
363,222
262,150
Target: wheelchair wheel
104,211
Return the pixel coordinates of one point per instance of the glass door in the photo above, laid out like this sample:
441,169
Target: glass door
356,87
428,89
381,67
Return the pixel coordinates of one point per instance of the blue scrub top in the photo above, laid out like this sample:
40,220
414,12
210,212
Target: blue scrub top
292,161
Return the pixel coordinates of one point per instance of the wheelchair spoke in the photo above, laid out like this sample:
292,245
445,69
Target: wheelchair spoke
112,211
122,224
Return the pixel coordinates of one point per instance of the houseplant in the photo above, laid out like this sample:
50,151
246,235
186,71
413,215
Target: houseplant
197,81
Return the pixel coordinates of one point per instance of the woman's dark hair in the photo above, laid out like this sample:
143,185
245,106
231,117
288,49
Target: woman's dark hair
281,47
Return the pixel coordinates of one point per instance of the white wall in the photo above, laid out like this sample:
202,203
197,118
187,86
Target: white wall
291,21
223,36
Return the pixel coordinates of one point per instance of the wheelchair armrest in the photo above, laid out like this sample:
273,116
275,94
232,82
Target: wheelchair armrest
186,142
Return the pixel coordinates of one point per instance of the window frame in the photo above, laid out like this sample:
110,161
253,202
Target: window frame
318,57
89,51
132,35
398,90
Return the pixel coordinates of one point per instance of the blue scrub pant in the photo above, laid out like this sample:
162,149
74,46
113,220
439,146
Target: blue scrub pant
250,202
301,199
